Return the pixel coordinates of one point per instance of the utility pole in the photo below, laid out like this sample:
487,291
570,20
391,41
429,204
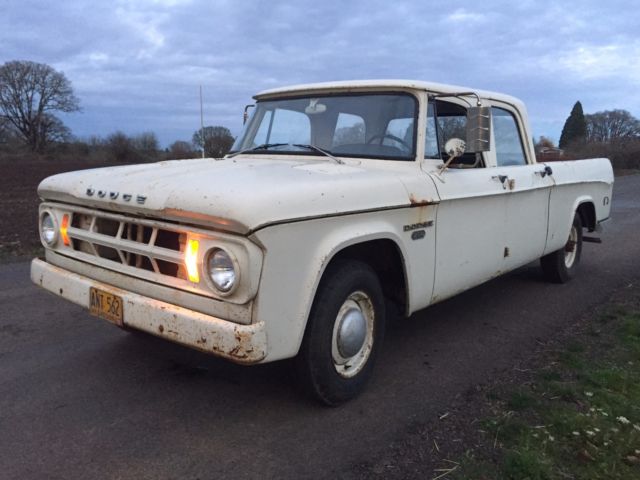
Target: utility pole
201,123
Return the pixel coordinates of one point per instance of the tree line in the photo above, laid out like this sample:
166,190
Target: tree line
610,133
31,94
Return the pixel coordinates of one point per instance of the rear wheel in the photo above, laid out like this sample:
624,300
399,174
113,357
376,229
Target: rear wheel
344,333
560,266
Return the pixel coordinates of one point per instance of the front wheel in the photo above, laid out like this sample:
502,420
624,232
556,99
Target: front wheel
560,266
344,333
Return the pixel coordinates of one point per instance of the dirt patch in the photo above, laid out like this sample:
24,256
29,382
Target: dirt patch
19,200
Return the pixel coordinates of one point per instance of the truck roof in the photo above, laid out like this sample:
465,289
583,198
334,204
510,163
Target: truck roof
351,85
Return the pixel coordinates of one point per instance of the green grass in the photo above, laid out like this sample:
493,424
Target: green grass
521,400
579,419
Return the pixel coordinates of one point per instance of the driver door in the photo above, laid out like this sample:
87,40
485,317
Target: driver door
492,218
470,221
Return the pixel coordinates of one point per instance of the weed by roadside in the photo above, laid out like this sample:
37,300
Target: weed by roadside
569,410
577,417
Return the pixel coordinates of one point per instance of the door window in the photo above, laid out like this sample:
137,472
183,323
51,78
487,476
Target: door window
431,149
447,120
508,144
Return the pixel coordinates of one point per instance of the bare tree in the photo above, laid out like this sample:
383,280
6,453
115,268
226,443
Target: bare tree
216,143
5,130
120,146
612,125
53,130
146,143
29,93
180,149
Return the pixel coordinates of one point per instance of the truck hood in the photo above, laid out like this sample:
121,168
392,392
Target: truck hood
239,195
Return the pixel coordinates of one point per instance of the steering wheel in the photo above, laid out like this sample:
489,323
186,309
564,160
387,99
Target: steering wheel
382,136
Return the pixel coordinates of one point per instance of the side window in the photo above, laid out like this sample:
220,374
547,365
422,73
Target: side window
263,130
431,141
452,125
508,145
349,130
451,122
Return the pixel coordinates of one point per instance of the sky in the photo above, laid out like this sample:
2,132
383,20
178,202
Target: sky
137,66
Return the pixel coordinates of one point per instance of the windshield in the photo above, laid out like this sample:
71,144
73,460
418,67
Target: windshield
351,125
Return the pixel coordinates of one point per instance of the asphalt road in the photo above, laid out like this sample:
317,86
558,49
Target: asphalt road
82,399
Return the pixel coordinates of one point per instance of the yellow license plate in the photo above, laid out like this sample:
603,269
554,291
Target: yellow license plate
105,305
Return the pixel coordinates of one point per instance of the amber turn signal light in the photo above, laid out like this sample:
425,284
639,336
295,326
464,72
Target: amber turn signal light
64,226
191,260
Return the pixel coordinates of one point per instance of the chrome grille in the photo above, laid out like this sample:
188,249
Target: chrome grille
154,250
134,243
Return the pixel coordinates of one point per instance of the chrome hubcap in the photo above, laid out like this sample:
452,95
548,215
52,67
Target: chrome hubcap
353,334
352,330
571,247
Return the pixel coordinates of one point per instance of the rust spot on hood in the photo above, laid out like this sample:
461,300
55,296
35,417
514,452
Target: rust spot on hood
201,218
416,202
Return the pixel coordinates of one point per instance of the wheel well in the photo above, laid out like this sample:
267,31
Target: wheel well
385,258
587,214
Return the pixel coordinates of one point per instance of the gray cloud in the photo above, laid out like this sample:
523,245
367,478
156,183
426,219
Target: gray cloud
137,65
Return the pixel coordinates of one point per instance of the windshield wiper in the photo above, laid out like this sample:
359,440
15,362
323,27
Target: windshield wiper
264,146
320,150
267,146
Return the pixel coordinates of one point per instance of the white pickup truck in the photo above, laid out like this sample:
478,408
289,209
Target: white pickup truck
338,203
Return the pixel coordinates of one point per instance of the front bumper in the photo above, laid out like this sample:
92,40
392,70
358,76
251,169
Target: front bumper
245,344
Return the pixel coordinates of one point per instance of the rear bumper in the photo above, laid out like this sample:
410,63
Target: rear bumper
245,344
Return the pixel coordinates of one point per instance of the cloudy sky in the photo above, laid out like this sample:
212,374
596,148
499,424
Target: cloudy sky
136,65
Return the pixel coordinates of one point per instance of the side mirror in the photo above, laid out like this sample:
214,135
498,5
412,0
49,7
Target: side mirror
245,115
455,147
479,129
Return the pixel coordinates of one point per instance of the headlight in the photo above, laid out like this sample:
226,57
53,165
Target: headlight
48,230
222,270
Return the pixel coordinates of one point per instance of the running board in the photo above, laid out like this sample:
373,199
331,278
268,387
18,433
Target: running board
591,239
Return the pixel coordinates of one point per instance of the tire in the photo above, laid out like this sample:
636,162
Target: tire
336,358
560,266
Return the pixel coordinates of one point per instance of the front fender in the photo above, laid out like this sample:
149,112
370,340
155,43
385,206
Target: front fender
296,256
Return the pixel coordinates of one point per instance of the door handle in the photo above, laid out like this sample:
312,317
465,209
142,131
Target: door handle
502,178
547,171
505,181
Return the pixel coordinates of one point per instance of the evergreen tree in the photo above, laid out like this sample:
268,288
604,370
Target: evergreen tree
575,128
